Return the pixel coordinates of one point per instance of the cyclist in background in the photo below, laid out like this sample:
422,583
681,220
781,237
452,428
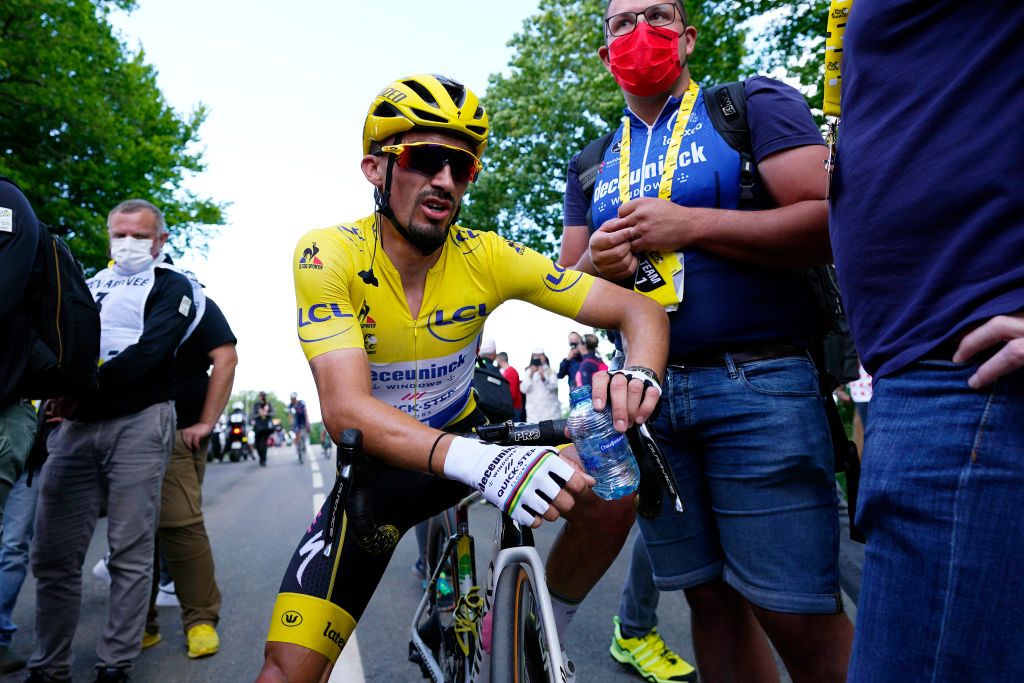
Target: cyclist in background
300,423
390,311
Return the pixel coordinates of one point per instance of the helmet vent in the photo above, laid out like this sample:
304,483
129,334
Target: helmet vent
456,90
479,130
385,109
479,113
428,116
420,90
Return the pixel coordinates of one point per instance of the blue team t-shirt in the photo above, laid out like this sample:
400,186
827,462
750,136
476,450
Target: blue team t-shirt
927,212
727,305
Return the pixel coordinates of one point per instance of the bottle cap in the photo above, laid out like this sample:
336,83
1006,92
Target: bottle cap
579,394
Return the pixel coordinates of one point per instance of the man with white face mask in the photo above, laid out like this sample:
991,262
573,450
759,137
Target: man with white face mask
114,446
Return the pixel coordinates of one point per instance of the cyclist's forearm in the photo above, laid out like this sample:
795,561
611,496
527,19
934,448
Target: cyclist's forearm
641,320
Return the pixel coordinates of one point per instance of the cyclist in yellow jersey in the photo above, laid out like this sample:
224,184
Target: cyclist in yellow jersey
390,310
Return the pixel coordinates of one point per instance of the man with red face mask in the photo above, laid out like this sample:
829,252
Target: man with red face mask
742,420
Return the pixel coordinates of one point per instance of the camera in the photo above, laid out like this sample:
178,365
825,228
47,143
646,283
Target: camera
536,362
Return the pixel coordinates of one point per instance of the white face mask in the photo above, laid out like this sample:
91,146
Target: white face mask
131,255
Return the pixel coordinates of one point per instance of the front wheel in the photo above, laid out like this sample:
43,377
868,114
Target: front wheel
518,643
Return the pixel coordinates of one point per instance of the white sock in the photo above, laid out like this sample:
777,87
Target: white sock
564,609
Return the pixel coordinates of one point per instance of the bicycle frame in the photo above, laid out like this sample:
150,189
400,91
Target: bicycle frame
512,545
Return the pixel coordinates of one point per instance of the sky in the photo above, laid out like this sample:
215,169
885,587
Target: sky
287,86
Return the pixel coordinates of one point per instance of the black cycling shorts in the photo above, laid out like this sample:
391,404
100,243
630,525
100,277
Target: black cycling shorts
324,592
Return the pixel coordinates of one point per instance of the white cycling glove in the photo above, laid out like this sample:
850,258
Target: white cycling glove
509,477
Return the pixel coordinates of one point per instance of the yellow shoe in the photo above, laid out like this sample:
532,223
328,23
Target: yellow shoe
150,639
650,657
202,641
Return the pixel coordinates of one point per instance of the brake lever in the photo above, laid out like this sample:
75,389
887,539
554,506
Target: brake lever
651,459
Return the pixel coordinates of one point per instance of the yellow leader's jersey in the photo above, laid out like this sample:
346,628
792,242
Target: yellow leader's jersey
423,365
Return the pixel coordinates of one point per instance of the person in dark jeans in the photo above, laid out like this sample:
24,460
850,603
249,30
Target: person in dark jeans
263,426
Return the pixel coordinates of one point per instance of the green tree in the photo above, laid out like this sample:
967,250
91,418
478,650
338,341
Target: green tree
558,96
84,126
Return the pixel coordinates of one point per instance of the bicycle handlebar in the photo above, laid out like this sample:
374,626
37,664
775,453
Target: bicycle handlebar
655,476
543,433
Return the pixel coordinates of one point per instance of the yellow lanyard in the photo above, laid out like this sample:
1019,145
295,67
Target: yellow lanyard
671,156
659,274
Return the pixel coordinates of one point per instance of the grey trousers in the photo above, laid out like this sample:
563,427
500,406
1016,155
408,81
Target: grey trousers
121,460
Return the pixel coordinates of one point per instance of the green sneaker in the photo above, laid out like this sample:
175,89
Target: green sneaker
650,657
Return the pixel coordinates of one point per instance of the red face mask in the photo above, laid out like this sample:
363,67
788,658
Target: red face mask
646,61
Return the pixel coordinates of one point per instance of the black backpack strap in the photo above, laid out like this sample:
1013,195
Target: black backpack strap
727,107
589,163
588,166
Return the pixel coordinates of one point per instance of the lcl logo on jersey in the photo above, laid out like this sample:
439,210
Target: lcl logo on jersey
321,313
562,279
466,240
440,322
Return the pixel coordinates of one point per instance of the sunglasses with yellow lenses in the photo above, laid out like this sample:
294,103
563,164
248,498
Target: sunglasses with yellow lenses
429,158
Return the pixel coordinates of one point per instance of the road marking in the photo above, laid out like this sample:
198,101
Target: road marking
349,668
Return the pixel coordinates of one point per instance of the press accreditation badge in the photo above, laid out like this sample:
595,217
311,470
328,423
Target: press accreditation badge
6,219
186,304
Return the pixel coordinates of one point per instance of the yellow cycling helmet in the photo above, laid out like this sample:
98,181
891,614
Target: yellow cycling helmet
426,101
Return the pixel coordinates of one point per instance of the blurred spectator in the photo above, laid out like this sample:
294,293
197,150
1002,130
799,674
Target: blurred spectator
262,402
200,399
571,363
263,428
541,389
590,362
860,394
115,446
488,350
19,240
19,527
512,375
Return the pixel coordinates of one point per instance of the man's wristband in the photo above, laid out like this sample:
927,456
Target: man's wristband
650,374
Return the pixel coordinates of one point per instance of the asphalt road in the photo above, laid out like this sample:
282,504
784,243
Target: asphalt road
254,517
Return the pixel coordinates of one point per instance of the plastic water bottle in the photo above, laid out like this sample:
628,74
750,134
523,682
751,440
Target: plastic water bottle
605,452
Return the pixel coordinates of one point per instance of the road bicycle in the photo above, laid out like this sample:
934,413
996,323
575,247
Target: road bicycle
449,634
457,617
300,443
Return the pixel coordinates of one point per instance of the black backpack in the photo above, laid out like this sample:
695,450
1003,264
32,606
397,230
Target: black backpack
493,395
65,323
727,107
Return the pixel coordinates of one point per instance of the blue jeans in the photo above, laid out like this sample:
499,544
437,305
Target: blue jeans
19,526
942,505
749,445
638,608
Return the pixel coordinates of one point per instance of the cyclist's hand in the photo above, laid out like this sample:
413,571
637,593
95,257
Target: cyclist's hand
527,483
633,396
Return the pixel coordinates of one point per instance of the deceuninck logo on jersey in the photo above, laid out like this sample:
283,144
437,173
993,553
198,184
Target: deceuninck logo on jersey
426,387
309,259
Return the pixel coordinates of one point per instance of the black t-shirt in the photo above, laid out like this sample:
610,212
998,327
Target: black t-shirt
192,364
19,241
